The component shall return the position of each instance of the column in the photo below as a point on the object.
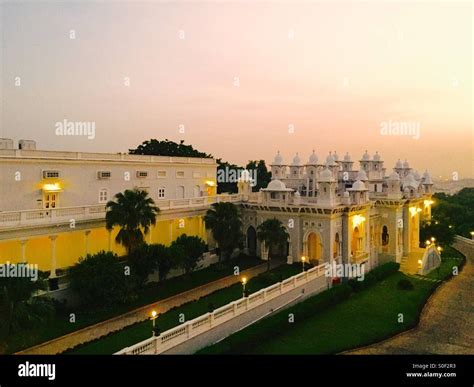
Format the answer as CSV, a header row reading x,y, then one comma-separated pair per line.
x,y
109,241
406,230
23,249
53,256
86,241
289,259
345,253
171,231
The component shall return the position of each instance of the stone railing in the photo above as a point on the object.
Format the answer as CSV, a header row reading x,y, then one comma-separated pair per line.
x,y
16,219
459,238
209,321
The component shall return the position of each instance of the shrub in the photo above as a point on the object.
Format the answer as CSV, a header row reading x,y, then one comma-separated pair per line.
x,y
142,264
375,275
99,280
193,248
405,284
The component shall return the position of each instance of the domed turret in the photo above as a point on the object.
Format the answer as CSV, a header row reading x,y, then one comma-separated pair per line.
x,y
326,176
296,160
335,156
278,159
394,176
377,156
366,156
313,159
427,178
362,176
329,160
347,157
276,185
399,165
359,186
405,164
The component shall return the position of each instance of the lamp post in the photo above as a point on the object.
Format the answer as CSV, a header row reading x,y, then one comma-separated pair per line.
x,y
303,259
472,235
244,281
153,318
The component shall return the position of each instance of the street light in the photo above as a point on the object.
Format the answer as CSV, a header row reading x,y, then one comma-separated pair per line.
x,y
153,318
427,243
303,259
433,239
472,235
244,281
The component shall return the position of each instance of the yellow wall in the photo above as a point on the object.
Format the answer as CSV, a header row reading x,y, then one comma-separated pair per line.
x,y
70,246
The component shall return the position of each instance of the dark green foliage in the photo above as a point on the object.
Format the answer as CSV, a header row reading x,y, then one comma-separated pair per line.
x,y
456,210
167,148
163,259
100,281
132,210
274,234
440,230
224,221
263,175
405,284
19,310
142,263
193,249
374,276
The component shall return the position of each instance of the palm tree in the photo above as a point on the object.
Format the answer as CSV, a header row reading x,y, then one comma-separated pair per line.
x,y
132,211
18,308
226,226
273,233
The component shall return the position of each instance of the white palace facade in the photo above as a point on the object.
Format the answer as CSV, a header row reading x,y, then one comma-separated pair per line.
x,y
334,212
52,205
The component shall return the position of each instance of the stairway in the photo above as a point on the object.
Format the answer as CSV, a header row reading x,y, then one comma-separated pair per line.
x,y
409,263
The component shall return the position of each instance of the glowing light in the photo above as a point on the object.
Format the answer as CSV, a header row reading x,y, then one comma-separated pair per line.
x,y
427,243
433,239
303,258
210,183
357,220
428,203
244,280
419,262
439,248
414,210
52,187
153,314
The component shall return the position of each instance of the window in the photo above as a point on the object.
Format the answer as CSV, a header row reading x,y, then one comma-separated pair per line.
x,y
104,175
179,173
273,195
50,174
161,174
142,174
103,195
161,192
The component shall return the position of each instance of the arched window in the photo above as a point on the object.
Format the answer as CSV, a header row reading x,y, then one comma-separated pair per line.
x,y
385,236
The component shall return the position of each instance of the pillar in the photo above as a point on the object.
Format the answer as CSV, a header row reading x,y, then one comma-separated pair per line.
x,y
345,239
86,241
289,258
406,230
109,241
53,256
23,249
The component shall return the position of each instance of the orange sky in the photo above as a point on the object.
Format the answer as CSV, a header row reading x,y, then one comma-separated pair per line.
x,y
335,72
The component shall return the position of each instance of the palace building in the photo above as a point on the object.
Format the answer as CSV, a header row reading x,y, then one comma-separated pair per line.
x,y
52,205
335,213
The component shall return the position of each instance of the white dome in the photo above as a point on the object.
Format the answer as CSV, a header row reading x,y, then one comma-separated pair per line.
x,y
276,185
427,178
410,181
394,176
335,157
361,175
278,159
358,186
416,175
405,164
377,156
326,176
329,159
398,165
347,157
296,160
313,159
365,156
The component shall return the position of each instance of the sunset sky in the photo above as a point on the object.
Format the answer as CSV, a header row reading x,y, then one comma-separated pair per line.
x,y
239,75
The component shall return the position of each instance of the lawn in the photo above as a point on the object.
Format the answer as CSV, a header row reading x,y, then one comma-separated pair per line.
x,y
141,331
151,293
368,316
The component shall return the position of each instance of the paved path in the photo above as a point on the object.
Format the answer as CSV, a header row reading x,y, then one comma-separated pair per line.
x,y
103,328
446,323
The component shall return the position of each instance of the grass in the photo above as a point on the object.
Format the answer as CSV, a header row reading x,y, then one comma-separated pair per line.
x,y
141,331
368,316
151,293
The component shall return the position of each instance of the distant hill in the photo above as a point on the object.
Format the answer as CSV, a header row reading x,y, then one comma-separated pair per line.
x,y
451,187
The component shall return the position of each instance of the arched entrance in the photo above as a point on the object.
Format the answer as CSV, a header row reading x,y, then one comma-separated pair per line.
x,y
355,241
385,239
314,248
197,191
252,240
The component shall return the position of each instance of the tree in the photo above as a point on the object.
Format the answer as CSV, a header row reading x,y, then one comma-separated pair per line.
x,y
263,175
99,280
194,247
142,263
132,211
18,306
167,148
224,221
162,257
440,230
274,234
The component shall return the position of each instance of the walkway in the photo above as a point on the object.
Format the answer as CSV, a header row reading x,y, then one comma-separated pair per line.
x,y
103,328
447,321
